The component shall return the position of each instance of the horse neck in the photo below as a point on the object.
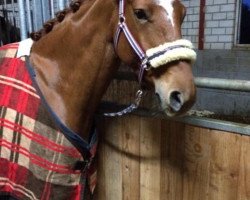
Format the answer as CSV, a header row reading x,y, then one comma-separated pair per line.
x,y
75,62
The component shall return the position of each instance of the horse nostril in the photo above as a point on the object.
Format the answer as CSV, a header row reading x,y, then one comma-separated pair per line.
x,y
176,101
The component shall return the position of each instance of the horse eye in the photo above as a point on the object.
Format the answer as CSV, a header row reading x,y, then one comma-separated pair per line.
x,y
141,14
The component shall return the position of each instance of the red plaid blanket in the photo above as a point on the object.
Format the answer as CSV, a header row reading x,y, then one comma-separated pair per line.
x,y
36,160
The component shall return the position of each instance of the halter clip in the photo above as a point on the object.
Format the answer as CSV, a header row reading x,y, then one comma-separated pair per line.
x,y
138,97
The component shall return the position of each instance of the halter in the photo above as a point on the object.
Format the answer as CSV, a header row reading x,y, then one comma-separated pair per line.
x,y
154,57
122,27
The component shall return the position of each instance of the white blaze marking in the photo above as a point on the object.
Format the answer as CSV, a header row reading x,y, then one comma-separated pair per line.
x,y
168,6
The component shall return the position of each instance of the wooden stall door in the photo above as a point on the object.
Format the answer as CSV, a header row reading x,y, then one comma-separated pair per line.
x,y
152,159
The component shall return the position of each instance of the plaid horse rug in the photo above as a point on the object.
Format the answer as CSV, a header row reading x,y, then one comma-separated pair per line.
x,y
36,159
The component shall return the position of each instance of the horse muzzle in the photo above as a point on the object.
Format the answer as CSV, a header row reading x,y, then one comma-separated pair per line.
x,y
175,88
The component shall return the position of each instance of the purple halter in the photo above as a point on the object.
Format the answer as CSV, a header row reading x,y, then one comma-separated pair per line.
x,y
122,26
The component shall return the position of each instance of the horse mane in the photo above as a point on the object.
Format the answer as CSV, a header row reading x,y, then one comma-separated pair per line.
x,y
48,26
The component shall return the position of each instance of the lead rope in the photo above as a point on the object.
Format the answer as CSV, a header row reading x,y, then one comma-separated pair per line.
x,y
130,108
138,96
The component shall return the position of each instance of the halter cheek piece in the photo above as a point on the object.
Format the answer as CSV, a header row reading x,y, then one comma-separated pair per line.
x,y
122,27
155,57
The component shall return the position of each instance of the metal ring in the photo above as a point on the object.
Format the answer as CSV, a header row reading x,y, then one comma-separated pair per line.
x,y
122,19
147,67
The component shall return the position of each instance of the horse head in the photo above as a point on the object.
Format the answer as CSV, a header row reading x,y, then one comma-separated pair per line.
x,y
76,54
148,35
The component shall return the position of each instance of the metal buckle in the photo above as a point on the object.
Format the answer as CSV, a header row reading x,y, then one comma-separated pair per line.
x,y
145,64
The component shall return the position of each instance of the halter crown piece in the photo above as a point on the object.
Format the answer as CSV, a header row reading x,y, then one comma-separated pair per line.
x,y
153,58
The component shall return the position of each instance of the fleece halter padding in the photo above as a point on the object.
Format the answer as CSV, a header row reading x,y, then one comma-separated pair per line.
x,y
171,51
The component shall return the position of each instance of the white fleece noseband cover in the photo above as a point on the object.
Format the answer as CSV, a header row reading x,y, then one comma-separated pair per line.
x,y
171,51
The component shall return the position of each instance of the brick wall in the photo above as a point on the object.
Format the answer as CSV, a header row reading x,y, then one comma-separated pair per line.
x,y
220,17
190,27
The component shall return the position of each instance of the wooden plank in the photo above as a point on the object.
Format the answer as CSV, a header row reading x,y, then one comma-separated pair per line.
x,y
224,165
111,160
141,158
172,149
150,151
100,193
244,170
196,162
131,158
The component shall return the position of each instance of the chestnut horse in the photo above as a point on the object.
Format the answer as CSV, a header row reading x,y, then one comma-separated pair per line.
x,y
75,56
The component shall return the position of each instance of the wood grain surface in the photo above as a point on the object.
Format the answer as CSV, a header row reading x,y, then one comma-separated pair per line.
x,y
153,159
